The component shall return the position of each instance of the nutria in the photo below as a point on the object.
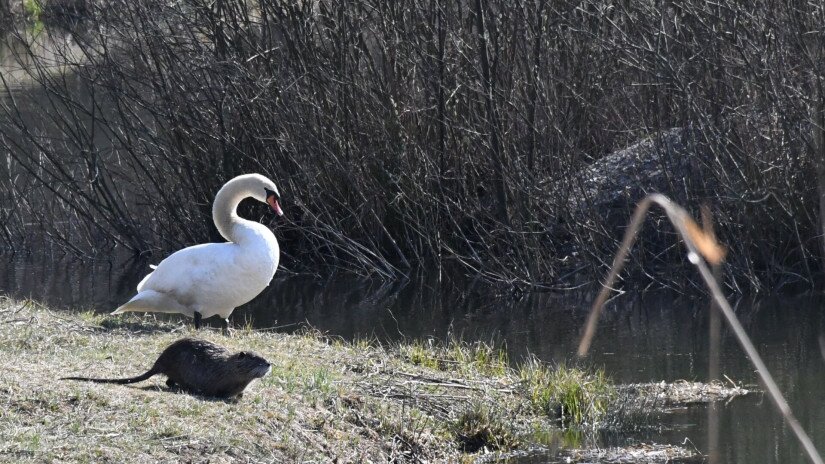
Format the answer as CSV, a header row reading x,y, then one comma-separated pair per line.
x,y
201,367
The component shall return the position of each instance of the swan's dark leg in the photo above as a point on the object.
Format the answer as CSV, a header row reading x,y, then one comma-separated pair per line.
x,y
227,330
198,318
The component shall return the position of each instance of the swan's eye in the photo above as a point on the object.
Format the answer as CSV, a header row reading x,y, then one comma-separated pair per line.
x,y
270,193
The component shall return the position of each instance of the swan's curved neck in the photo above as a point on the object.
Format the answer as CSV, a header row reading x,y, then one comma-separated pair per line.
x,y
224,210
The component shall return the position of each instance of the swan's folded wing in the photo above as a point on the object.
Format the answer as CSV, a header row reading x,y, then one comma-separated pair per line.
x,y
192,271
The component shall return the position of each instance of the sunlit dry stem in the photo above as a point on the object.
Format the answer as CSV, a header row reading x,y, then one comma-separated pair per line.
x,y
618,263
714,335
710,251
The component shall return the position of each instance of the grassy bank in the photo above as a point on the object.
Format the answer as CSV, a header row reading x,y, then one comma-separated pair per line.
x,y
325,400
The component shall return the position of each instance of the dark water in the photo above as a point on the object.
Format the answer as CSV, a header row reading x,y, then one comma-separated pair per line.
x,y
657,336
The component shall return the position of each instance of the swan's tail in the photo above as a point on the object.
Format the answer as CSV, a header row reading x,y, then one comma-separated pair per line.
x,y
150,301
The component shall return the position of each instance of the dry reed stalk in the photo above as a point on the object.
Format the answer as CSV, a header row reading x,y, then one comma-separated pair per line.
x,y
714,336
698,244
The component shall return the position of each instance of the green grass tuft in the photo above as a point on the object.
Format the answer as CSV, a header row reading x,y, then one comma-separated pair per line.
x,y
480,356
571,395
456,355
423,354
483,427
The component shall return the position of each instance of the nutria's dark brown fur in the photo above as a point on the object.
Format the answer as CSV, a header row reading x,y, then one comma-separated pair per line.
x,y
201,367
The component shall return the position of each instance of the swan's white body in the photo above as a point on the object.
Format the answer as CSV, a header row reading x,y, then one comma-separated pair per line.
x,y
214,278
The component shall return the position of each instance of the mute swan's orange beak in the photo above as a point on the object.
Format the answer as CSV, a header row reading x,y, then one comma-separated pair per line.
x,y
273,203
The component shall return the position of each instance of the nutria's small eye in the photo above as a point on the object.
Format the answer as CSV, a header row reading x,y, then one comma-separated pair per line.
x,y
241,354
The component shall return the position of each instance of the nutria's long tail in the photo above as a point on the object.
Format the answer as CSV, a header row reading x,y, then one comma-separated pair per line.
x,y
139,378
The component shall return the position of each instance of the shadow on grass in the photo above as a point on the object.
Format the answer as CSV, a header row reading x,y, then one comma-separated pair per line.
x,y
181,391
134,323
166,323
138,326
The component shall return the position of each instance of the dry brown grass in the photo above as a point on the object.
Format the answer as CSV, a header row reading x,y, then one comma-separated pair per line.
x,y
325,400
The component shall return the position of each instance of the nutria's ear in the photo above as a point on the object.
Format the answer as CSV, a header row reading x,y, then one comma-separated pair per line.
x,y
242,355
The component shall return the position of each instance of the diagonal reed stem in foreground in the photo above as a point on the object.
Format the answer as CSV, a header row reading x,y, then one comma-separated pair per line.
x,y
714,336
698,244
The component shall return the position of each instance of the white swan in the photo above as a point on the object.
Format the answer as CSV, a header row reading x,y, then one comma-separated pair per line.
x,y
214,278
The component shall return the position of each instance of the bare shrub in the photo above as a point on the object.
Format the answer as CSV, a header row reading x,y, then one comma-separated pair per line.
x,y
411,132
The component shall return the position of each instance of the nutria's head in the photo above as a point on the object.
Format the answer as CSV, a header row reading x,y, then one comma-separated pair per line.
x,y
252,363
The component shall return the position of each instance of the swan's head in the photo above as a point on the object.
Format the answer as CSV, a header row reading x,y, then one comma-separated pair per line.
x,y
262,189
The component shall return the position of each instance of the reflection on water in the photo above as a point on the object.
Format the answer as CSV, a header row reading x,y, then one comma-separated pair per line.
x,y
641,338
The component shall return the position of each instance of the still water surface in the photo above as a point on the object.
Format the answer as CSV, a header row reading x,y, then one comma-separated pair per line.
x,y
642,338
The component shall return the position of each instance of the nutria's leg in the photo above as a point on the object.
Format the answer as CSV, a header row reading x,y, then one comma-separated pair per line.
x,y
198,318
171,383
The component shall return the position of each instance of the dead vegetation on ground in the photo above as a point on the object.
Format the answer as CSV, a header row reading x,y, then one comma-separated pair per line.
x,y
325,400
